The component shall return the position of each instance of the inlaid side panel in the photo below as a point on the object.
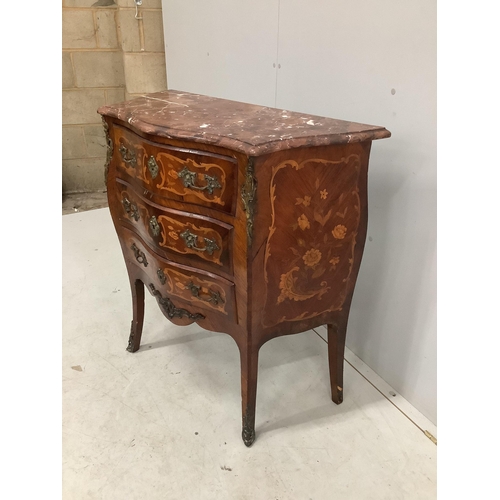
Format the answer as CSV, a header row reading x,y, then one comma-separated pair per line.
x,y
309,253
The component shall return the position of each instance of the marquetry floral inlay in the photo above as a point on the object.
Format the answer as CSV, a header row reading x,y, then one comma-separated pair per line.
x,y
334,262
339,232
306,201
289,290
303,222
312,257
310,247
173,233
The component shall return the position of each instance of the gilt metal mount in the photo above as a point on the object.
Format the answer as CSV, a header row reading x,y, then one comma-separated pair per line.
x,y
189,181
248,195
169,308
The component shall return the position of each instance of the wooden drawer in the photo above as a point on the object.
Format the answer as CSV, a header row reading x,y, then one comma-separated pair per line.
x,y
187,238
199,290
186,175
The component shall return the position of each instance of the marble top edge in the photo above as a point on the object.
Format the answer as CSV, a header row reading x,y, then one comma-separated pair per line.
x,y
247,128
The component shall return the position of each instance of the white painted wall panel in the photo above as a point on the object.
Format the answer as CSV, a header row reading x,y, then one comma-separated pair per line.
x,y
222,48
375,62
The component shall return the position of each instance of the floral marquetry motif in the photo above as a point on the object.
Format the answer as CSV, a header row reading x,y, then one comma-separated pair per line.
x,y
303,222
309,252
339,232
306,201
311,257
334,262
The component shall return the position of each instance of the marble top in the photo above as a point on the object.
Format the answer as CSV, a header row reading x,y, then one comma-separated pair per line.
x,y
248,128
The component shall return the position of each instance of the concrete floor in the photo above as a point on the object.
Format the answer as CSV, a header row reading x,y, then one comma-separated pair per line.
x,y
82,202
164,423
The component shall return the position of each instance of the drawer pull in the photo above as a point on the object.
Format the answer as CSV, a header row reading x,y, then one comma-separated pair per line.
x,y
161,276
195,291
153,167
189,181
169,309
155,227
139,256
128,155
191,239
131,209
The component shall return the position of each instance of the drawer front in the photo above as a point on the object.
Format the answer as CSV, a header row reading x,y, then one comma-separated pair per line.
x,y
185,175
186,238
202,291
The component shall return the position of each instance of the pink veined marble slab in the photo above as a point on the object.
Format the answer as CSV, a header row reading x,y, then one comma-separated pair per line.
x,y
248,128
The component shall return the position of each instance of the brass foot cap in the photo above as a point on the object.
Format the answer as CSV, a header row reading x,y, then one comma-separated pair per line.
x,y
248,437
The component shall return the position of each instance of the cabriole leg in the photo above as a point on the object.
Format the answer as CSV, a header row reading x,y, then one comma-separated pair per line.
x,y
336,345
134,340
249,367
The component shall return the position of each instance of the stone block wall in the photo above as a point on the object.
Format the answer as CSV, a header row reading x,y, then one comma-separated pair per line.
x,y
108,56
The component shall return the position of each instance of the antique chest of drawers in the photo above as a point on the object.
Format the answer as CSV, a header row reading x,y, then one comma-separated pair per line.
x,y
245,219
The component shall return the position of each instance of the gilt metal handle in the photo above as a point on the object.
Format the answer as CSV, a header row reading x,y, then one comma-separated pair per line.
x,y
131,209
161,276
169,308
189,181
128,155
191,240
139,255
215,297
153,167
155,227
